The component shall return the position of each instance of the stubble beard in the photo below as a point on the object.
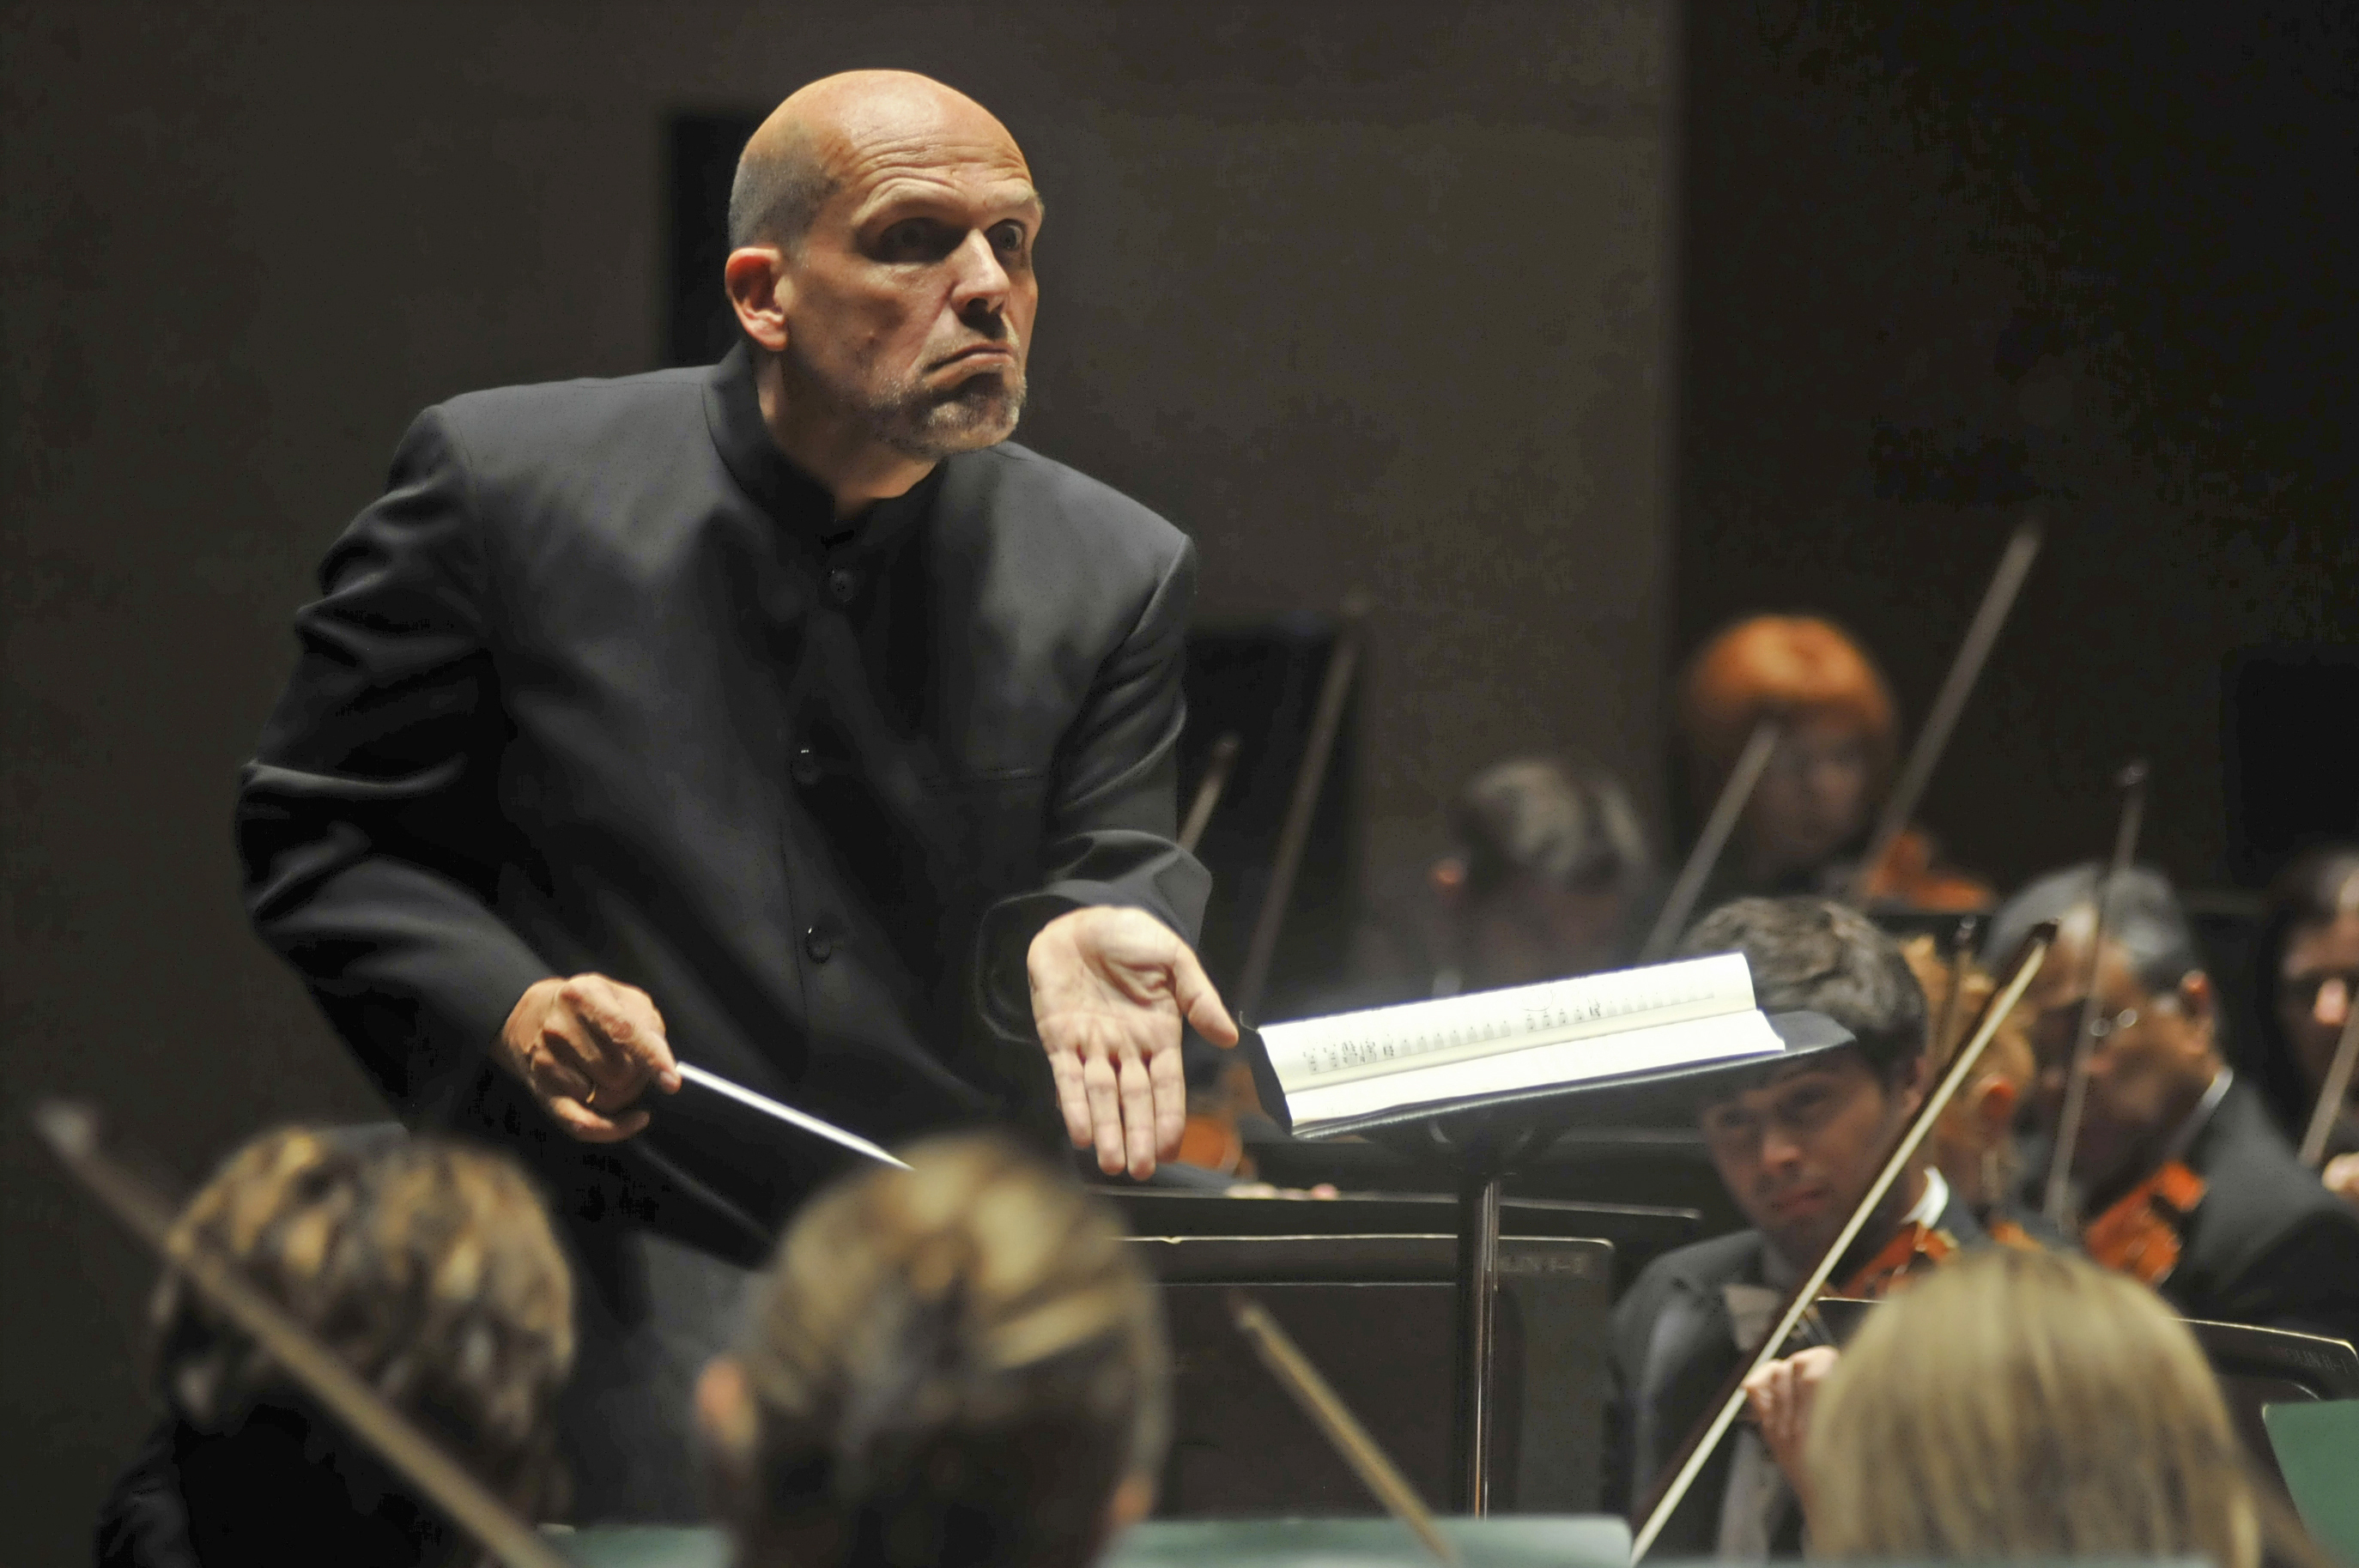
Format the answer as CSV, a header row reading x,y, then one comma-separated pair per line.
x,y
921,422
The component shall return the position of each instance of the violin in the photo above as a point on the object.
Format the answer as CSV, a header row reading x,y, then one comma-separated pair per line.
x,y
1913,1249
2011,1233
1911,874
2139,1235
1210,1139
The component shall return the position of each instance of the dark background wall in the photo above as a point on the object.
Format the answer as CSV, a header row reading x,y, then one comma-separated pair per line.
x,y
1944,262
1361,295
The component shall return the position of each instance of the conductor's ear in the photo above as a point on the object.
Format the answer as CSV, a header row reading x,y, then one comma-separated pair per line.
x,y
760,292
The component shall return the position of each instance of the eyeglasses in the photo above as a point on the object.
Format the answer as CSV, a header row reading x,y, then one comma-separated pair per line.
x,y
2100,1028
2056,1029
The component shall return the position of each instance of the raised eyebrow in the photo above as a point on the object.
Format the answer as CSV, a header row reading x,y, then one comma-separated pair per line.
x,y
895,207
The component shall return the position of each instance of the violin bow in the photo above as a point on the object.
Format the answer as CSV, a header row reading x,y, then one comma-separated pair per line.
x,y
71,1132
1319,1401
1208,788
1734,793
2057,1202
1965,669
2330,1093
1294,834
1665,1499
1961,950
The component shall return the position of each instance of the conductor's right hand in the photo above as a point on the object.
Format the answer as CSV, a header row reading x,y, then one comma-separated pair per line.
x,y
587,1048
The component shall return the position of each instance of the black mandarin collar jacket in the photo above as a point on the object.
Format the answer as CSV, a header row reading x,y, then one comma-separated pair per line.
x,y
599,683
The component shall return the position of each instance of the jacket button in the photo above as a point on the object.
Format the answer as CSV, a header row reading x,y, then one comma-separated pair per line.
x,y
806,767
843,582
818,944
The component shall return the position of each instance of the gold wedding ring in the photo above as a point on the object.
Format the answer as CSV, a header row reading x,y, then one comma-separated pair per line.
x,y
589,1098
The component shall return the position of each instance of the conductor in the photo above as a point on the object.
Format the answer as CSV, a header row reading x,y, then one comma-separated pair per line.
x,y
782,716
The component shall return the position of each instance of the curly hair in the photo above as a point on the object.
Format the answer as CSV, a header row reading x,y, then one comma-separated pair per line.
x,y
956,1365
429,1266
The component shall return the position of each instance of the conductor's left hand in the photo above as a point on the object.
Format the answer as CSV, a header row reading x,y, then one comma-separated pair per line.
x,y
1110,990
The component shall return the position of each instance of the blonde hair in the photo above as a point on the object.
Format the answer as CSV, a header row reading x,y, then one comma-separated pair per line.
x,y
955,1365
430,1267
2026,1404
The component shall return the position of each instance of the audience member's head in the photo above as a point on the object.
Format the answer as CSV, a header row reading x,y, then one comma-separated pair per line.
x,y
1972,1140
960,1364
1832,765
2026,1405
2308,973
1548,867
1799,1150
430,1269
2155,1052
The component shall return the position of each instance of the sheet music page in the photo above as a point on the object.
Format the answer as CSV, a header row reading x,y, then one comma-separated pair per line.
x,y
1345,1047
1722,1037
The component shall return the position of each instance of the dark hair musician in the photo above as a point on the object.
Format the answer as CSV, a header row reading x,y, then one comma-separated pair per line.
x,y
1546,877
2183,1179
1797,1153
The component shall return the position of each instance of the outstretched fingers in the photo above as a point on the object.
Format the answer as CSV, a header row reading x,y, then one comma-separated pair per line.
x,y
1103,1089
1169,1076
1138,1111
1072,1094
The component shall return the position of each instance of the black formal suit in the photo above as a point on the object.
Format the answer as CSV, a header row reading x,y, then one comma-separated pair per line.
x,y
1674,1347
2269,1245
601,684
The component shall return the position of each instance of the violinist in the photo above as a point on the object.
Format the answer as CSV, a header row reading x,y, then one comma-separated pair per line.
x,y
1807,823
1550,869
1797,1153
2308,973
1972,1140
2183,1180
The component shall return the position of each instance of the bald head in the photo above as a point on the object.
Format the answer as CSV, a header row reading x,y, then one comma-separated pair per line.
x,y
821,137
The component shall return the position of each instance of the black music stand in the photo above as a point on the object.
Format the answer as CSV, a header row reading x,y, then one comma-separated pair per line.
x,y
1481,1140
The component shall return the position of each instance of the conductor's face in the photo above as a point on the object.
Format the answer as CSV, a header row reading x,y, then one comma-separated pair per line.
x,y
904,309
1799,1153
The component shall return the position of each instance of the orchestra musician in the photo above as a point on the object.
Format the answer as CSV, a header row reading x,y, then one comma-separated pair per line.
x,y
2027,1405
780,715
2308,968
430,1268
1972,1140
1807,823
1798,1154
1548,877
961,1365
2183,1179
